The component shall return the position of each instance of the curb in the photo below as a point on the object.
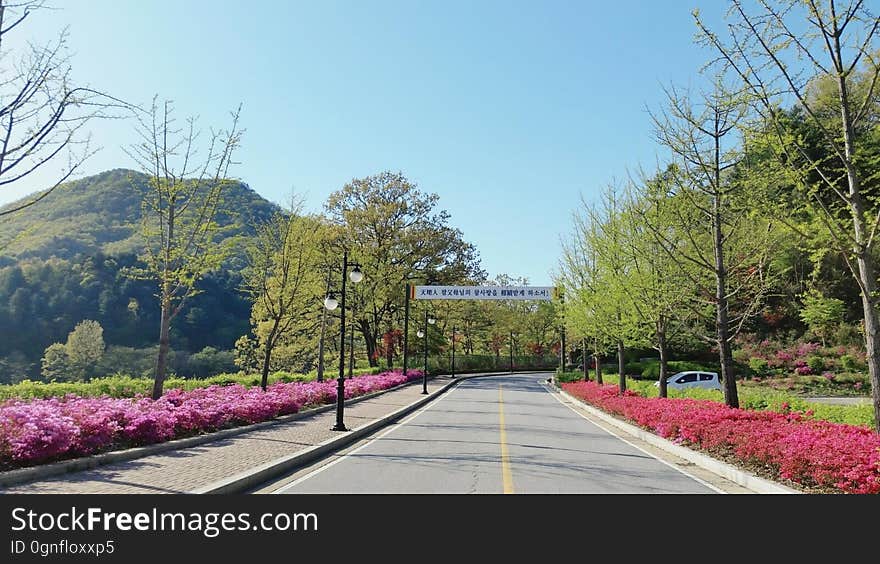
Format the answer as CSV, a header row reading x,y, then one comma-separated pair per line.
x,y
244,481
34,473
723,469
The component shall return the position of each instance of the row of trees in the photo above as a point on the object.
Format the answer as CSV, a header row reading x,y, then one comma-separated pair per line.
x,y
395,233
778,156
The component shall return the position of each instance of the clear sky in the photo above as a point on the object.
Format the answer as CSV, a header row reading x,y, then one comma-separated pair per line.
x,y
509,110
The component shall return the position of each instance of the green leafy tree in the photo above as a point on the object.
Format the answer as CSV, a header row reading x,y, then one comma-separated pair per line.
x,y
180,203
55,364
589,311
821,314
727,253
655,285
394,231
283,279
246,356
766,51
85,346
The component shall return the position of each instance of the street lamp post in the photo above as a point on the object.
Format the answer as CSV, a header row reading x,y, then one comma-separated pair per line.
x,y
421,333
330,303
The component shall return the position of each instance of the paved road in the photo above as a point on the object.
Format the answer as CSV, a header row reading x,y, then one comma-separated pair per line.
x,y
839,400
503,434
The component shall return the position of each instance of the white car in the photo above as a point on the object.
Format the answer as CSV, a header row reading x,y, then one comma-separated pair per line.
x,y
693,379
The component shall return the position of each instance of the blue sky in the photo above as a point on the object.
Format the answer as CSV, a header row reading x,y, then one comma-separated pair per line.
x,y
508,110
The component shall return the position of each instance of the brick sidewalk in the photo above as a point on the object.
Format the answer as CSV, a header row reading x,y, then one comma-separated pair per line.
x,y
184,470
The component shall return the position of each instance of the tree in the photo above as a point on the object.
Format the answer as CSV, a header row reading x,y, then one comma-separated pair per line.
x,y
42,111
74,360
55,364
246,354
611,276
655,285
776,64
85,345
582,277
179,205
282,278
821,314
707,200
392,229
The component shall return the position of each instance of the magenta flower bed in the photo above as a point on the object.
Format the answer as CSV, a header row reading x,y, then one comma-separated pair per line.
x,y
41,430
808,452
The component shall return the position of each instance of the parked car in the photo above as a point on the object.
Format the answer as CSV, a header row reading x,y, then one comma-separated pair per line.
x,y
692,379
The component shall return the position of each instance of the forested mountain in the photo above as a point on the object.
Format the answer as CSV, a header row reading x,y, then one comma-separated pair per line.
x,y
102,213
63,259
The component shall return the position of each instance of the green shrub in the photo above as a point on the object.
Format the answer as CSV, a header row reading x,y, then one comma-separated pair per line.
x,y
848,363
563,377
816,363
759,365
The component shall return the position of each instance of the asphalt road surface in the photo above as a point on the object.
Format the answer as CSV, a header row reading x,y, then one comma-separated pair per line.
x,y
501,434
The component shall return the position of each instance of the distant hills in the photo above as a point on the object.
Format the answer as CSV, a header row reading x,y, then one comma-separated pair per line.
x,y
61,262
102,213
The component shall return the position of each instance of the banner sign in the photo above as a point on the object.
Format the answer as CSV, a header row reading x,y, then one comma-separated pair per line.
x,y
482,292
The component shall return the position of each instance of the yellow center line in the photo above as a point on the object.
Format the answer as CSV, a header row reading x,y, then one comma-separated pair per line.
x,y
506,476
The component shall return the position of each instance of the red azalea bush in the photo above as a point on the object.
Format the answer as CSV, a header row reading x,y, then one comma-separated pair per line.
x,y
41,430
809,452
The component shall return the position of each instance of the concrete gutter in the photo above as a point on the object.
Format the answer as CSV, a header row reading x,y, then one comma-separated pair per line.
x,y
253,477
34,473
728,471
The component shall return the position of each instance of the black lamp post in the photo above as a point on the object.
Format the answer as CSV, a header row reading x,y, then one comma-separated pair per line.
x,y
330,303
421,333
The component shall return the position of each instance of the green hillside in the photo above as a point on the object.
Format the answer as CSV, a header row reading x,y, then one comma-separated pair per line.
x,y
101,214
62,261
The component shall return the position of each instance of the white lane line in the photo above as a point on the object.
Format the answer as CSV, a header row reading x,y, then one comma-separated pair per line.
x,y
365,445
610,432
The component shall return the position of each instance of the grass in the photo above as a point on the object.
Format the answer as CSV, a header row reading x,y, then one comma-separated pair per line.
x,y
123,386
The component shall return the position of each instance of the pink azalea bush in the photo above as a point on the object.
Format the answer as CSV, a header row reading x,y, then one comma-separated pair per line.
x,y
40,430
795,357
810,452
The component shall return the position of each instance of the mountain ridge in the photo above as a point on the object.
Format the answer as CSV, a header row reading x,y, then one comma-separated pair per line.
x,y
101,214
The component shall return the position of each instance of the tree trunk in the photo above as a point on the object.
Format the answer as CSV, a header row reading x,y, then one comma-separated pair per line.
x,y
598,359
661,347
164,346
621,367
267,356
165,320
370,341
872,338
722,320
867,269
